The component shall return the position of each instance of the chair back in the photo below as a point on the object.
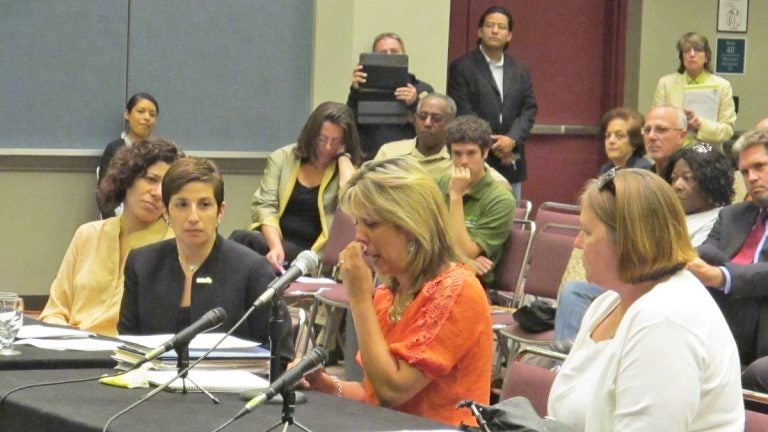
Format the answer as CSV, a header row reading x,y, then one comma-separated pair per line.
x,y
530,381
510,269
523,209
756,421
341,234
550,252
559,213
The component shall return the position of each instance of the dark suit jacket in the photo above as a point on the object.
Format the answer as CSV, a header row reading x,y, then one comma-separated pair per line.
x,y
471,85
232,277
746,306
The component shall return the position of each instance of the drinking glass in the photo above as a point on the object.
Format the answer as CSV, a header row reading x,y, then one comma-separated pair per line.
x,y
11,317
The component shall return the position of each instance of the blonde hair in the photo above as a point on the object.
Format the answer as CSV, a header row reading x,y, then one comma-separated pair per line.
x,y
645,219
400,192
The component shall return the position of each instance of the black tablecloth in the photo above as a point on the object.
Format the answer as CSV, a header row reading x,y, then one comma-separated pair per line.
x,y
87,406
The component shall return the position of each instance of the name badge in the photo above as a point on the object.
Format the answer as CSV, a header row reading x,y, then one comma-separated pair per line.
x,y
204,280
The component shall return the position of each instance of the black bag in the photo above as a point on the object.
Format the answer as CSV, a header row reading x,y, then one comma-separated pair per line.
x,y
537,317
512,415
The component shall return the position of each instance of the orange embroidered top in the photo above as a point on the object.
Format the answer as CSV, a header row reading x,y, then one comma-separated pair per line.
x,y
446,334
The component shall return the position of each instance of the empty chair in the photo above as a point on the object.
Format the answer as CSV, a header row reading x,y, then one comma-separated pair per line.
x,y
550,252
523,209
530,381
510,269
558,213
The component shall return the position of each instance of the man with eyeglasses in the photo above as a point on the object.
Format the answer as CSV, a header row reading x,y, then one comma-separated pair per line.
x,y
664,133
496,87
372,136
480,209
435,111
734,259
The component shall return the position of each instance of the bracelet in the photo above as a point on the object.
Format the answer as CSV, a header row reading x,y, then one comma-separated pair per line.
x,y
338,385
340,155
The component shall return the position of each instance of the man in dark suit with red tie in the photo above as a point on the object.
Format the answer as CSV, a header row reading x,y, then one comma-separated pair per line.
x,y
734,258
492,85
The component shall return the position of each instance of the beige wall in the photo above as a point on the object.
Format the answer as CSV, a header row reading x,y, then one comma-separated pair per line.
x,y
345,28
41,212
663,22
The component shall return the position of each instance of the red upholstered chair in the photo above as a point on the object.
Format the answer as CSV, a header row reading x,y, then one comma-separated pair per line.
x,y
523,209
756,422
510,270
557,213
549,257
530,381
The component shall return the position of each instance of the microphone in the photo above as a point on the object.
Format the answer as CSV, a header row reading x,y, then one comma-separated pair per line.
x,y
288,380
306,262
212,318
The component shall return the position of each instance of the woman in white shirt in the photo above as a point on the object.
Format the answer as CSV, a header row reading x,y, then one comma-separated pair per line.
x,y
654,353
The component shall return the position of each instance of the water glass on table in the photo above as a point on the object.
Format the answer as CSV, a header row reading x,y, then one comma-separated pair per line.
x,y
11,318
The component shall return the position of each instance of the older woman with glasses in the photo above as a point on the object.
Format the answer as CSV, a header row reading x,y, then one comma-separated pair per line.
x,y
694,79
654,352
293,208
623,139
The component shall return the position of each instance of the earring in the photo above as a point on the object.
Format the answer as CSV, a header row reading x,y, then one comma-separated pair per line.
x,y
411,246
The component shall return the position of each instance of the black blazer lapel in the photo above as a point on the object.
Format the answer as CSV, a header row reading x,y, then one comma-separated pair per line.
x,y
481,64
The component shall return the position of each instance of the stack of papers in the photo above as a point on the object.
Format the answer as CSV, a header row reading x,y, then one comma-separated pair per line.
x,y
62,338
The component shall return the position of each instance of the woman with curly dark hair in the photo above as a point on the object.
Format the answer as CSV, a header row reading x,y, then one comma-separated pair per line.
x,y
89,285
703,181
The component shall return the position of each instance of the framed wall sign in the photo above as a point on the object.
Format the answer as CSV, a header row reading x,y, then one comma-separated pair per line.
x,y
732,16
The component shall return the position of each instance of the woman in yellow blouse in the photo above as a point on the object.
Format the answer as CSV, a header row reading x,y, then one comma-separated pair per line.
x,y
89,285
292,210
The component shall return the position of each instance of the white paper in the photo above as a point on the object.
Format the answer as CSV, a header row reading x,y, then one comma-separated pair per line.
x,y
704,100
37,331
212,380
201,341
78,344
314,280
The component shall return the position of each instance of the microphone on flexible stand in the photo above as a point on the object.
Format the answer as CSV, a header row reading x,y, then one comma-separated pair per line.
x,y
306,262
213,318
286,382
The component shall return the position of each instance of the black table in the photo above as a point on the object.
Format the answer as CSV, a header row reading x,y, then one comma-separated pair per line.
x,y
38,358
87,406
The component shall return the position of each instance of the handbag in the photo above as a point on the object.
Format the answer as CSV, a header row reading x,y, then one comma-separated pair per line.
x,y
537,317
512,415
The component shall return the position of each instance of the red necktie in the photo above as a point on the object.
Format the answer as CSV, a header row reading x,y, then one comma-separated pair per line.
x,y
747,253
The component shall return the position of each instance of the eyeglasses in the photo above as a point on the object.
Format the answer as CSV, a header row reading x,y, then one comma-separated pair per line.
x,y
491,26
436,118
605,181
323,140
660,130
702,148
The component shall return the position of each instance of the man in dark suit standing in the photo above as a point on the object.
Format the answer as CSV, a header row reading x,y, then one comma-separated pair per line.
x,y
494,86
734,258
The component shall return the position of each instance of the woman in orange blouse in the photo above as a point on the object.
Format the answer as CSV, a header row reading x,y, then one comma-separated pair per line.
x,y
425,336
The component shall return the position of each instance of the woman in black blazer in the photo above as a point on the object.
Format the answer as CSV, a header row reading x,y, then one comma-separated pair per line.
x,y
174,282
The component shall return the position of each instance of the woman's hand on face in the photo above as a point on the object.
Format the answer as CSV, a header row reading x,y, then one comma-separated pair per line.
x,y
276,256
355,273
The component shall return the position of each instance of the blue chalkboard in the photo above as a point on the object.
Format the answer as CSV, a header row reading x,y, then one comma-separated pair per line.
x,y
230,75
